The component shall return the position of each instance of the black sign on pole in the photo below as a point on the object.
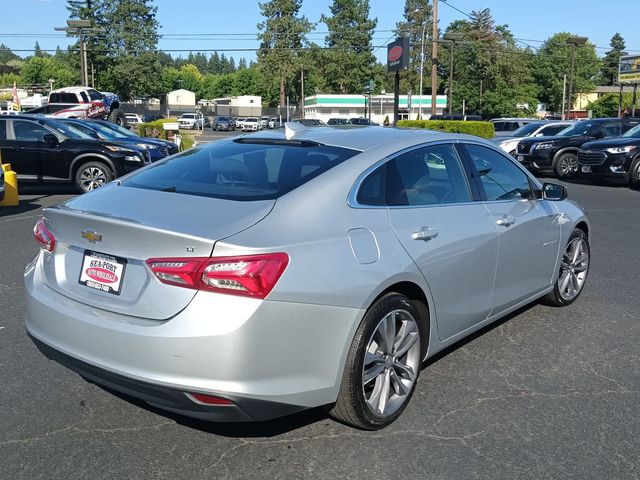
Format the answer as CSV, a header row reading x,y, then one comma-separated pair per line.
x,y
397,59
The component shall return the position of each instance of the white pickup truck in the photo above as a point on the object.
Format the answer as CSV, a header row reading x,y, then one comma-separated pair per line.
x,y
191,121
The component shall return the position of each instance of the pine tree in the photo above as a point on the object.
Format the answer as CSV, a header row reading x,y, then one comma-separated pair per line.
x,y
37,51
242,64
349,59
281,36
611,60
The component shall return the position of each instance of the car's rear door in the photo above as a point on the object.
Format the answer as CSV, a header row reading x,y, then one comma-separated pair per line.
x,y
451,238
528,228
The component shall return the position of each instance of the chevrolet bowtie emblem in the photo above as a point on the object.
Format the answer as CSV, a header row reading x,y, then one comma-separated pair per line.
x,y
92,236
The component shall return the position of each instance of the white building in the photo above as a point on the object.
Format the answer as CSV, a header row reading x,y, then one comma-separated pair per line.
x,y
324,107
241,106
181,98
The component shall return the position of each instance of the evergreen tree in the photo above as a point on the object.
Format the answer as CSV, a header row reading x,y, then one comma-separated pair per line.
x,y
611,60
214,63
281,36
37,51
418,18
349,59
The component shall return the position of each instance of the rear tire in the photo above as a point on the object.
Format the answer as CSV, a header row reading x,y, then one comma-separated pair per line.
x,y
118,117
574,268
92,175
566,165
383,364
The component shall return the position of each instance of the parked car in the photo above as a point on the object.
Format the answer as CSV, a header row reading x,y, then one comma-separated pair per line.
x,y
505,126
240,121
223,123
612,159
202,314
338,121
363,121
251,124
272,122
83,102
156,149
191,121
170,147
264,122
559,154
309,122
509,143
43,149
134,118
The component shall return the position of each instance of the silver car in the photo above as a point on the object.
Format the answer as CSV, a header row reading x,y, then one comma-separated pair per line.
x,y
509,143
260,275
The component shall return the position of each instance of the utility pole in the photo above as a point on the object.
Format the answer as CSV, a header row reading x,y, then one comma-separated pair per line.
x,y
82,28
434,59
633,102
574,42
302,91
424,26
564,96
452,38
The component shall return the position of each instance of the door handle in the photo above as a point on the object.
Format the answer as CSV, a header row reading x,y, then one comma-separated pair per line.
x,y
506,220
426,234
19,148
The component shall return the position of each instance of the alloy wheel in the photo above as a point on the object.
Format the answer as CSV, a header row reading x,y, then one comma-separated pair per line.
x,y
391,364
573,269
92,178
569,165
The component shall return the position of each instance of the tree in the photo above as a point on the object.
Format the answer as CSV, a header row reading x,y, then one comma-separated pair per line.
x,y
553,61
349,60
37,51
38,71
144,83
418,18
611,60
607,105
281,36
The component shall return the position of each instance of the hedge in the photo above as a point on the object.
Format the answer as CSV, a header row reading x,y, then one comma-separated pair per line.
x,y
480,129
156,130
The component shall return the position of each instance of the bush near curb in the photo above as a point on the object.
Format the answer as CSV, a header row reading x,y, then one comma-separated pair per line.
x,y
156,130
480,129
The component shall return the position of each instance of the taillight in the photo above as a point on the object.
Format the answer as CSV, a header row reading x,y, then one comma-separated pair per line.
x,y
44,237
250,275
204,399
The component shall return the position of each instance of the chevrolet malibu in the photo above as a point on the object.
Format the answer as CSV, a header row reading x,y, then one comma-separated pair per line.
x,y
265,274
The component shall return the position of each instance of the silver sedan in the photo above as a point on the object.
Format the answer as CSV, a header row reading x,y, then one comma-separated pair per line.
x,y
264,274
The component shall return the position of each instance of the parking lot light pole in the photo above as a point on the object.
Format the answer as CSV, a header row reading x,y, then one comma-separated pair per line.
x,y
574,42
452,38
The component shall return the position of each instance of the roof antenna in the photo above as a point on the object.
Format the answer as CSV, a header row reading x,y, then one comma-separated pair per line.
x,y
291,129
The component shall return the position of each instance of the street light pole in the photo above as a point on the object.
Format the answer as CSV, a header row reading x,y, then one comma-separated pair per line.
x,y
574,42
434,60
452,38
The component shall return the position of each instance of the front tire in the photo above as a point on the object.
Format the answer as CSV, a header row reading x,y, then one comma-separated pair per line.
x,y
92,175
118,117
634,174
383,364
566,165
574,268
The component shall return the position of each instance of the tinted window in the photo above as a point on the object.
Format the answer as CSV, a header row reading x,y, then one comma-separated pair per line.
x,y
373,188
612,129
500,178
512,126
94,95
526,130
427,176
580,128
62,97
241,170
552,130
498,126
29,131
84,96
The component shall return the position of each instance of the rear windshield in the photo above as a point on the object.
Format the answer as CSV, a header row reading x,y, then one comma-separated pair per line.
x,y
245,169
62,97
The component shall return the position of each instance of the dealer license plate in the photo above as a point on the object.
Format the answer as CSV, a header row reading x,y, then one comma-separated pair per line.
x,y
102,272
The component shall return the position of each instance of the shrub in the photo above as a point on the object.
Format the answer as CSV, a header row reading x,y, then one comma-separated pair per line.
x,y
155,129
480,129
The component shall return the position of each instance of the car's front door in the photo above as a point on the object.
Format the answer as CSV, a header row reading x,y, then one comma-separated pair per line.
x,y
451,238
25,142
528,228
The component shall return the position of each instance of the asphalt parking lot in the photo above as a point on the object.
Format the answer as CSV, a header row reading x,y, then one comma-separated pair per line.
x,y
546,393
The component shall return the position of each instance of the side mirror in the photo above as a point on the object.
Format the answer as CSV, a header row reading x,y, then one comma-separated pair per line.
x,y
51,140
553,192
599,134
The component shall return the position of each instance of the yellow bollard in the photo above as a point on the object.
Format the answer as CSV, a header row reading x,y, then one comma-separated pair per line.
x,y
10,187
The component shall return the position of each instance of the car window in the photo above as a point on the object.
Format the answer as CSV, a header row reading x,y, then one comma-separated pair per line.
x,y
26,131
498,126
373,188
431,175
94,95
512,126
240,170
500,177
552,130
63,97
3,129
85,97
611,129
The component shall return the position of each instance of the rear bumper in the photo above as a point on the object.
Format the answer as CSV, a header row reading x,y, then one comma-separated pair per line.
x,y
173,400
281,356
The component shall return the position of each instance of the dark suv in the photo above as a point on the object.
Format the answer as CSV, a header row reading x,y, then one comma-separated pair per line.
x,y
614,158
44,149
559,154
223,123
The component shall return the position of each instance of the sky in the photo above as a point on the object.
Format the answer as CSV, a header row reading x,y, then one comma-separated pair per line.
x,y
532,21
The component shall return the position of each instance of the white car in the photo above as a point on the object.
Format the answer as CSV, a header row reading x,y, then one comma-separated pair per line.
x,y
191,121
251,124
134,118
